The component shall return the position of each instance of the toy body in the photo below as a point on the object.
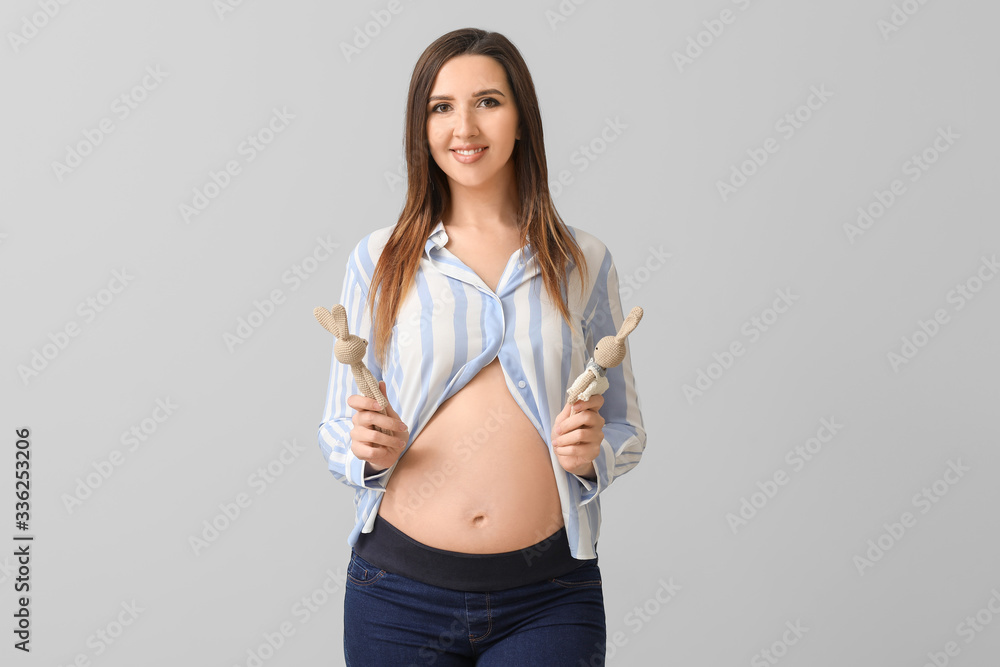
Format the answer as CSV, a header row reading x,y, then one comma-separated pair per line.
x,y
350,349
598,386
608,353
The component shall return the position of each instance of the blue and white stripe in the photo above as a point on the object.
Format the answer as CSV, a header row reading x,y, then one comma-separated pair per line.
x,y
450,326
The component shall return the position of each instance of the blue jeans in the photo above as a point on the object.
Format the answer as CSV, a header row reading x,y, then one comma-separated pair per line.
x,y
393,621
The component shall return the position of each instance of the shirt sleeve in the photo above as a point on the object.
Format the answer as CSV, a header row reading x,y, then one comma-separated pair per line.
x,y
624,433
335,429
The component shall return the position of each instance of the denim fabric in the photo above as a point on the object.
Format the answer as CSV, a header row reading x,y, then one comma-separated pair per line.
x,y
393,621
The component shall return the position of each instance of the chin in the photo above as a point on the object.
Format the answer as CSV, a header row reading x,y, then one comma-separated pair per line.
x,y
469,183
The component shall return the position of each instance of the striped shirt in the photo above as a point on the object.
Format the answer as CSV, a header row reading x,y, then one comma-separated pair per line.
x,y
450,326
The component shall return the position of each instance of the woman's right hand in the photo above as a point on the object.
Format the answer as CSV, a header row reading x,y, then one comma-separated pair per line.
x,y
379,450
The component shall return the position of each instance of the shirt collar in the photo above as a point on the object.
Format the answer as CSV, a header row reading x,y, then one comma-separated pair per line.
x,y
438,238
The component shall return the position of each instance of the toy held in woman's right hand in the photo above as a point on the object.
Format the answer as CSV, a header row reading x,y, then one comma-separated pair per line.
x,y
608,353
350,349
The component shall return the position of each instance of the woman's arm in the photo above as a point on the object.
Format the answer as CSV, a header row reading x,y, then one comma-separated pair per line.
x,y
335,429
624,436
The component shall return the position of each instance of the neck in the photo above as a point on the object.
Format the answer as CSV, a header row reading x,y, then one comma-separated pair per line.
x,y
489,207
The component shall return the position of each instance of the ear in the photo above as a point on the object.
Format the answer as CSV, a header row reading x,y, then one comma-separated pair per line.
x,y
325,317
630,323
339,314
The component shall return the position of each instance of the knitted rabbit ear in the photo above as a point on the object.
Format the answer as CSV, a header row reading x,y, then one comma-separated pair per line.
x,y
340,321
330,320
630,323
325,317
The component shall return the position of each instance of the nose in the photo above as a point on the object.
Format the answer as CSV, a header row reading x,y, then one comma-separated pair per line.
x,y
465,125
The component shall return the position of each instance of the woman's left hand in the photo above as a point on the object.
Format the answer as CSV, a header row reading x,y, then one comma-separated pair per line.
x,y
577,436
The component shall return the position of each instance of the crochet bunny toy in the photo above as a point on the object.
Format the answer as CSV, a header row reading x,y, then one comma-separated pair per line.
x,y
350,349
608,353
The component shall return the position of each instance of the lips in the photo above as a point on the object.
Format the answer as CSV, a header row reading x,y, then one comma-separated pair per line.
x,y
472,157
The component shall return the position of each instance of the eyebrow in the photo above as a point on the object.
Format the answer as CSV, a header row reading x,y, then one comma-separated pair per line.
x,y
488,91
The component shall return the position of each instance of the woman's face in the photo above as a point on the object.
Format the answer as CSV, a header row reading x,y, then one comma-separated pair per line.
x,y
471,105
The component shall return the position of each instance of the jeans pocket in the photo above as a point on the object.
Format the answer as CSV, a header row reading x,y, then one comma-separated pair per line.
x,y
362,573
585,576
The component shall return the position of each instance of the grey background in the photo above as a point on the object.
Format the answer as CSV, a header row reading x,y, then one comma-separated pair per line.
x,y
328,174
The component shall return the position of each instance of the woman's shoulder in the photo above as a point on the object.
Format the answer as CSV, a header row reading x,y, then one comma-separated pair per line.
x,y
368,249
593,248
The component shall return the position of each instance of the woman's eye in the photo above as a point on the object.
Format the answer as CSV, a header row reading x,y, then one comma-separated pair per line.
x,y
485,99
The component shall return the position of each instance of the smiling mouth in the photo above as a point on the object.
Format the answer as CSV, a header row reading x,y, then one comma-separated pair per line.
x,y
469,156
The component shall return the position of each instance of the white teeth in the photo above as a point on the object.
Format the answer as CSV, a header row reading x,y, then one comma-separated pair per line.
x,y
478,150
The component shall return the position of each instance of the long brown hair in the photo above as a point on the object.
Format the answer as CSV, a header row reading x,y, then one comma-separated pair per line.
x,y
428,195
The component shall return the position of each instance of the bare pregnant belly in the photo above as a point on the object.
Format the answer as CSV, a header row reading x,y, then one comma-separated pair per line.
x,y
477,478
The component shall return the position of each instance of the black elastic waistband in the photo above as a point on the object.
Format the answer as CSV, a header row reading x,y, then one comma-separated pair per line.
x,y
394,551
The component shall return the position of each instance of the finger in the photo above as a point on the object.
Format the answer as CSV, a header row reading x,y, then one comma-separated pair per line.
x,y
377,456
381,388
582,419
567,439
583,452
581,437
359,402
389,409
363,403
575,463
585,419
390,420
375,438
389,423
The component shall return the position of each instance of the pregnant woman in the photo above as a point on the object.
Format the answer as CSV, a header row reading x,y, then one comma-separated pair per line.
x,y
477,496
